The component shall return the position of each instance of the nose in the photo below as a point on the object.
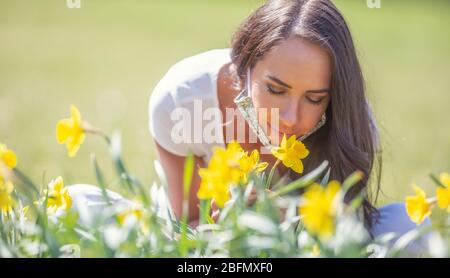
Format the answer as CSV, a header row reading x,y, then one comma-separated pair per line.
x,y
289,118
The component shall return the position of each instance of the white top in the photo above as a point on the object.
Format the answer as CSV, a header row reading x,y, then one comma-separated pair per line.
x,y
188,83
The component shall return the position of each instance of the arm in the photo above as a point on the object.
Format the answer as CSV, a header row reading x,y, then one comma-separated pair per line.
x,y
173,167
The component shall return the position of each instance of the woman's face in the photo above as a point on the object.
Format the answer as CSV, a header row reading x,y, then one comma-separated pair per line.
x,y
294,77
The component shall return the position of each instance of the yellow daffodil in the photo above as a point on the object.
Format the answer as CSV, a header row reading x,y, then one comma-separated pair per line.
x,y
7,156
227,167
135,215
58,196
6,200
319,208
290,152
71,131
133,212
223,170
212,187
250,162
417,206
443,193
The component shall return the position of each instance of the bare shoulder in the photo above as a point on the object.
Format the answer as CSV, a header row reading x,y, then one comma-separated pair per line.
x,y
227,86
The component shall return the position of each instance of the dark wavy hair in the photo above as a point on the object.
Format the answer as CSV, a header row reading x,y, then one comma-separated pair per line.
x,y
349,140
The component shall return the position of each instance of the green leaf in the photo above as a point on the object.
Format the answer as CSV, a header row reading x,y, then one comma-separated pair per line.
x,y
351,180
30,186
187,174
401,244
100,179
303,181
205,210
257,222
357,201
187,179
131,183
437,181
326,178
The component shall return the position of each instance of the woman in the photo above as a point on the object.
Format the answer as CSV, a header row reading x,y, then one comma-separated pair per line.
x,y
295,59
299,57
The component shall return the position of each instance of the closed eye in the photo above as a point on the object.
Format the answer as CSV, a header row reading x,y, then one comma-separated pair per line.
x,y
315,101
274,91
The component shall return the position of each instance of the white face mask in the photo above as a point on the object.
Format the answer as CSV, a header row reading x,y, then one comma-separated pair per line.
x,y
245,104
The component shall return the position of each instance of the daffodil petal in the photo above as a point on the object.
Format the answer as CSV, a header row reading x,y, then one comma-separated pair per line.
x,y
317,210
10,159
57,184
419,191
332,189
255,156
444,178
301,150
297,166
261,166
76,116
443,197
63,130
417,206
291,140
279,153
74,143
283,141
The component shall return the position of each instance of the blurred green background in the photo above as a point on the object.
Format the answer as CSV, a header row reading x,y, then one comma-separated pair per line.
x,y
107,56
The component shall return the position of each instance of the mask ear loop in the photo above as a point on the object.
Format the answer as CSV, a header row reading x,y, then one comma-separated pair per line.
x,y
245,105
322,121
248,85
256,127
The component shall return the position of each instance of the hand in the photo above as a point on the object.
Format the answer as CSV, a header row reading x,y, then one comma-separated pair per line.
x,y
215,210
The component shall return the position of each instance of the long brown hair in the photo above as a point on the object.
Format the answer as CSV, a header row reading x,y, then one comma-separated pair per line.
x,y
349,139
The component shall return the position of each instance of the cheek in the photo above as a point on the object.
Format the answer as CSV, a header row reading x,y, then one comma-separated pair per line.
x,y
260,98
264,103
310,115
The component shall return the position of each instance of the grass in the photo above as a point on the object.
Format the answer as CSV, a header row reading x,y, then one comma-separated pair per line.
x,y
107,56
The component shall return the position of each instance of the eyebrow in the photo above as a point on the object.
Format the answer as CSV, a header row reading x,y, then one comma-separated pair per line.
x,y
319,91
273,78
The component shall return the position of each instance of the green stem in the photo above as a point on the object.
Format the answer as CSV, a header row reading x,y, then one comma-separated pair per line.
x,y
92,130
301,182
26,181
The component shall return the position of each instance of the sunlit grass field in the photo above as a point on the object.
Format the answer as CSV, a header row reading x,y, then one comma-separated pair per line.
x,y
108,55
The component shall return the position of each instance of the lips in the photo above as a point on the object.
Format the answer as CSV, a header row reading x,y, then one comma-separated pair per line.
x,y
281,133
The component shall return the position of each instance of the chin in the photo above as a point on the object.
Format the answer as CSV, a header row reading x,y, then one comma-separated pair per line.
x,y
274,134
276,137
